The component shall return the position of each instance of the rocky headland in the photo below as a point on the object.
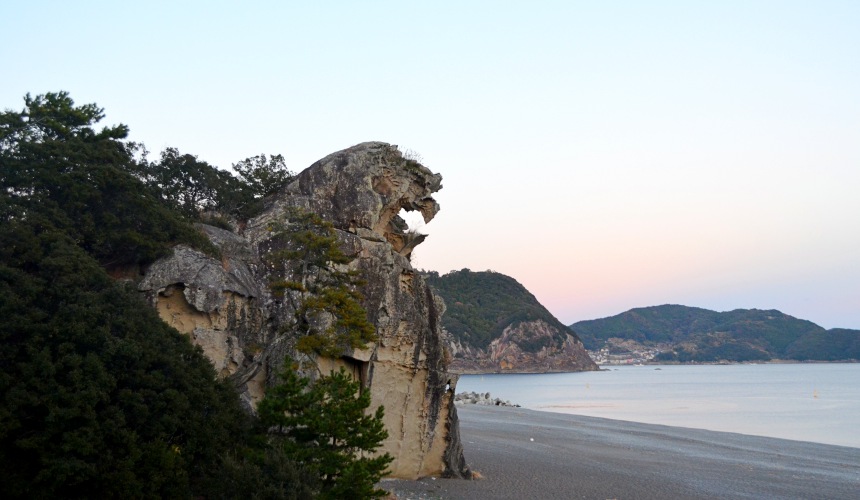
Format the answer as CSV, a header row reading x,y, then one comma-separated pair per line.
x,y
226,307
494,325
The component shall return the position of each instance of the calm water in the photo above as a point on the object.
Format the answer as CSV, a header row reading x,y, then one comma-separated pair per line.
x,y
808,402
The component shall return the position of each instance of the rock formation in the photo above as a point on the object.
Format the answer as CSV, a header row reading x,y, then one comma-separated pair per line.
x,y
509,352
481,399
225,305
494,325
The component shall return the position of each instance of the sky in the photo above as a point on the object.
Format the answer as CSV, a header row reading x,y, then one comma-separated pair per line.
x,y
606,154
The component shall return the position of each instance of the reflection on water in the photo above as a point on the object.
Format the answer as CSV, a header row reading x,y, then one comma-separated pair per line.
x,y
806,402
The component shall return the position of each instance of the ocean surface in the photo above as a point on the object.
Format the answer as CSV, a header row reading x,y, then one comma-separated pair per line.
x,y
805,402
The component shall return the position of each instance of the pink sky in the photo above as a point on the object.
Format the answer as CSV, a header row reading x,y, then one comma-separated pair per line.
x,y
608,155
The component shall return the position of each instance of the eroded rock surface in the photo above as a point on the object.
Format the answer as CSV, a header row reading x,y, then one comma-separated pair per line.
x,y
220,304
509,353
226,307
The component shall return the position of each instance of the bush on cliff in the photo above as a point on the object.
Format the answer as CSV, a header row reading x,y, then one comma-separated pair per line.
x,y
264,175
306,261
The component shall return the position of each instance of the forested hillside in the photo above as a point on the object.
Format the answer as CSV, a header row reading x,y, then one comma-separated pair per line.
x,y
480,305
496,325
99,397
700,335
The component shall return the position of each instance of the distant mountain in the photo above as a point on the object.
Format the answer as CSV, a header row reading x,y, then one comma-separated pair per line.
x,y
493,324
691,334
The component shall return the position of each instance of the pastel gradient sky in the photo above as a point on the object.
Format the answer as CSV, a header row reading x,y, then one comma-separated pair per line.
x,y
606,154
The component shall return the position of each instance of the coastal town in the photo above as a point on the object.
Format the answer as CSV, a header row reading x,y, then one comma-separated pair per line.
x,y
625,352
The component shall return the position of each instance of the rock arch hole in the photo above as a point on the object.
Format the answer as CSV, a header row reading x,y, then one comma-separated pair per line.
x,y
414,221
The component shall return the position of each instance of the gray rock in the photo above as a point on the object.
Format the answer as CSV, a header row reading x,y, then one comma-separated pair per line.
x,y
481,399
505,354
225,304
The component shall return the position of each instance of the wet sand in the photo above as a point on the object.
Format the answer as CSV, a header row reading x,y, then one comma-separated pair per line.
x,y
525,454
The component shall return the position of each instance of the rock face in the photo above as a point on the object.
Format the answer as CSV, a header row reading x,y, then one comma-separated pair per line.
x,y
494,325
507,354
226,307
481,399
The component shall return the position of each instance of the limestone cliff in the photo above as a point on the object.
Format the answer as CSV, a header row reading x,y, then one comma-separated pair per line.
x,y
226,307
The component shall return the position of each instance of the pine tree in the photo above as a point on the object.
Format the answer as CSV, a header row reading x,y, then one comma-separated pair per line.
x,y
308,263
99,398
325,427
262,175
54,164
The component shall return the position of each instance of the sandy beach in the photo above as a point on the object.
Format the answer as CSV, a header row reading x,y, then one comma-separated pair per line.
x,y
524,454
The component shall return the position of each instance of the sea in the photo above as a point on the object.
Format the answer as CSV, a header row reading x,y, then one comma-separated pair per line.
x,y
804,402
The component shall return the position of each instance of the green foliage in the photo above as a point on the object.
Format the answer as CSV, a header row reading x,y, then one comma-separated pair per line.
x,y
191,186
480,305
53,117
99,397
55,166
307,261
739,335
706,348
325,427
837,344
264,176
667,323
262,472
772,330
197,189
216,221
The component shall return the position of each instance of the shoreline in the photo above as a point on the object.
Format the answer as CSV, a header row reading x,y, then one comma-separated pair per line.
x,y
522,453
608,366
809,402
